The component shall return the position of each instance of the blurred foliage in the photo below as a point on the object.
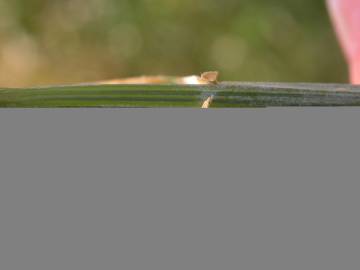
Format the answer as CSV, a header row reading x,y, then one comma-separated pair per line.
x,y
61,41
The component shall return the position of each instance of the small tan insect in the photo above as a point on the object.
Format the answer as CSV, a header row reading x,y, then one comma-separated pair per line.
x,y
210,77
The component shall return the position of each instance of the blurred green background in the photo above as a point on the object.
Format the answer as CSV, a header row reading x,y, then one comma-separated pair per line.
x,y
63,41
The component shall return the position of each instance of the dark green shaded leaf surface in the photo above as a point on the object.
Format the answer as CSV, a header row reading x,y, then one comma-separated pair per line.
x,y
227,94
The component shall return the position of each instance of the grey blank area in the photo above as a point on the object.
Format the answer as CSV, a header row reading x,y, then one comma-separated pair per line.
x,y
180,189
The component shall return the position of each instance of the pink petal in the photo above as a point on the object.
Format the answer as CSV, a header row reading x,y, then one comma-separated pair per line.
x,y
346,17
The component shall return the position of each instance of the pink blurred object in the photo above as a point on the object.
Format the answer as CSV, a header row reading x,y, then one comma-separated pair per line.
x,y
346,17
